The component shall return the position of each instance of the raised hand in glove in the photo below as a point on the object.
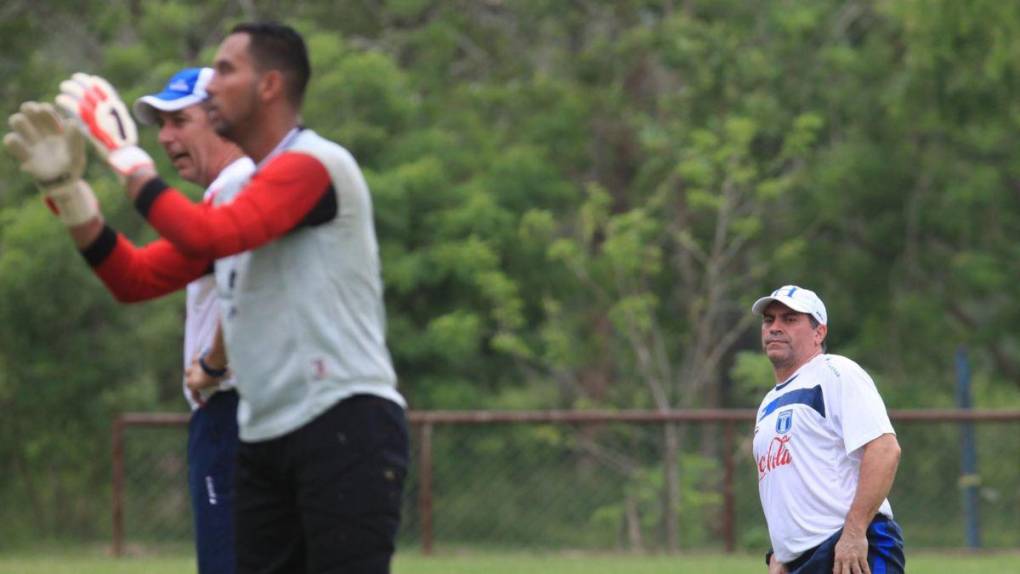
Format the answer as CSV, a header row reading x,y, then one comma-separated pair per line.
x,y
105,120
54,155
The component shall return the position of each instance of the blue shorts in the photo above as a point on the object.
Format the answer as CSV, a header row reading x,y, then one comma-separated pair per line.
x,y
212,453
885,551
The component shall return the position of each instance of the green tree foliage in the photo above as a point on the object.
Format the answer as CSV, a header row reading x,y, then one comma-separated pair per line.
x,y
576,204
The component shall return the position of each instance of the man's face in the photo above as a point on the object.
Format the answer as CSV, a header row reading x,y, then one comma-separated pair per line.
x,y
189,142
787,336
233,89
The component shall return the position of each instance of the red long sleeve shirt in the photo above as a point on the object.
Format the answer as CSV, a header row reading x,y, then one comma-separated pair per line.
x,y
292,191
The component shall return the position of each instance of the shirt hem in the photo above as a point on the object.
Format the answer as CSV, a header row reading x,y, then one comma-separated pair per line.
x,y
259,433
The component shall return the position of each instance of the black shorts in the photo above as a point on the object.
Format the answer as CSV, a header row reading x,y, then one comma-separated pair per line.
x,y
326,497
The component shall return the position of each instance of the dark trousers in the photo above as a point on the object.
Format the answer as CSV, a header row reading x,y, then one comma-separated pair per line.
x,y
212,451
885,551
325,498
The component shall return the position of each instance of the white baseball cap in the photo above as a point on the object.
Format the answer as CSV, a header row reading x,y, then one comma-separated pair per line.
x,y
185,88
796,298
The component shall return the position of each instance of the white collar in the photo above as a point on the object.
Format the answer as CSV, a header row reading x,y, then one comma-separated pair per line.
x,y
284,144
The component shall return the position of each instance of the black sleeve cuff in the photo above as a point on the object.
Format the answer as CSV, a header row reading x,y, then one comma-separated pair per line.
x,y
148,195
101,248
323,211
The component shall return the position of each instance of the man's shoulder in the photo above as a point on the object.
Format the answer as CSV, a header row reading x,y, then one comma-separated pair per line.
x,y
308,141
840,362
235,174
839,368
239,169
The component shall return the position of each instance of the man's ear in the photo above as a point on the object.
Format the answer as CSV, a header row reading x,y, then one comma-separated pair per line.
x,y
820,333
272,86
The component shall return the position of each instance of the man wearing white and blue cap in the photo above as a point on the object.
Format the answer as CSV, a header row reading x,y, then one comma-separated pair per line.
x,y
201,156
132,273
825,450
185,88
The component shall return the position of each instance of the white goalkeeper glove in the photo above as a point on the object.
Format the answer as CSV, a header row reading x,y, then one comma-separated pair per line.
x,y
105,120
54,155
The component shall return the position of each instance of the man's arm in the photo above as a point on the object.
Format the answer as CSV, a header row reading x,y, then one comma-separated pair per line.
x,y
879,460
53,153
210,368
295,189
776,567
132,273
86,233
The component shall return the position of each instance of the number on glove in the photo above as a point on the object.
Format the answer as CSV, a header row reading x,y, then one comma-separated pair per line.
x,y
105,119
96,104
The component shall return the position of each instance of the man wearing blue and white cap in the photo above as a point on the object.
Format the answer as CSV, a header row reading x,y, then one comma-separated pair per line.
x,y
201,156
185,88
825,450
133,274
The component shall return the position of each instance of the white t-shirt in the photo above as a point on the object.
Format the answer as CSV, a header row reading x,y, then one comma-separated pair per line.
x,y
203,313
806,441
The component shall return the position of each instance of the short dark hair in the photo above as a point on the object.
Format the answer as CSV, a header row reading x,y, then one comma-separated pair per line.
x,y
276,46
814,325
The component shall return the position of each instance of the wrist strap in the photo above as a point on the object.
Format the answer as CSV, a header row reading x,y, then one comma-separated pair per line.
x,y
59,181
214,373
73,202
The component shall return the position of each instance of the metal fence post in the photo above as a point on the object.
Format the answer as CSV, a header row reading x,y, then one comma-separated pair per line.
x,y
729,508
118,486
969,477
425,487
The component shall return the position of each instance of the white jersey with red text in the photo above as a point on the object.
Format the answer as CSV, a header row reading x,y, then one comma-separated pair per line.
x,y
202,309
807,438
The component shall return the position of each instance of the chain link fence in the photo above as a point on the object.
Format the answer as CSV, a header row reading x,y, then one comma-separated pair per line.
x,y
602,481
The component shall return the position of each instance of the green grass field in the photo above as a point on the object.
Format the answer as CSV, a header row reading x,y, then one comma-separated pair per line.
x,y
94,562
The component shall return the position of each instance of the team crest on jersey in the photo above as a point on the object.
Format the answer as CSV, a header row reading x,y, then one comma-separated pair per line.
x,y
784,421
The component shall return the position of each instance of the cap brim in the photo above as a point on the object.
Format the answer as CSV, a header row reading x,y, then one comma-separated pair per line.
x,y
760,305
147,108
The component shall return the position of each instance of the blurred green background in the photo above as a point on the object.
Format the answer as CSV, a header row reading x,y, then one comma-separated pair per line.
x,y
576,203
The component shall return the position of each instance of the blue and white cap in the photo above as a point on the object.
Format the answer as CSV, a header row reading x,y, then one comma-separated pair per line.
x,y
796,298
184,89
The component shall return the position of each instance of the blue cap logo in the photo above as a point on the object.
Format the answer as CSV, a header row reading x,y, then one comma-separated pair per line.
x,y
185,88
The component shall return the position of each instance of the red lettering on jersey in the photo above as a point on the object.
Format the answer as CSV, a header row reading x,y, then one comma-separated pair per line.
x,y
777,455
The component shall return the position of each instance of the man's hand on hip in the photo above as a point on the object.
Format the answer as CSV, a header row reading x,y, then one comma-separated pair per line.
x,y
106,121
851,553
198,379
777,567
54,155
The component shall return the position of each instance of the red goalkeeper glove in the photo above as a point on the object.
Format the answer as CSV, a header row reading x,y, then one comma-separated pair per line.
x,y
106,121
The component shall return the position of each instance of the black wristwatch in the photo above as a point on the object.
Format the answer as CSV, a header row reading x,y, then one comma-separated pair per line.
x,y
214,373
768,557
